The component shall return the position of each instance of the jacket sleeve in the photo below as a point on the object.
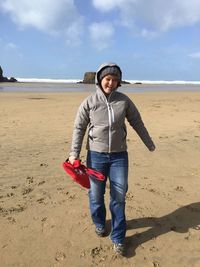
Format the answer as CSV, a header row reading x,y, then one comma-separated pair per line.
x,y
134,118
80,126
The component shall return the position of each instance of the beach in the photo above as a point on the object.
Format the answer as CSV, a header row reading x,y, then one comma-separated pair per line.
x,y
44,215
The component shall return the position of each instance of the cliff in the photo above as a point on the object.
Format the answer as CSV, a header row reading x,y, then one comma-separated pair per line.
x,y
5,79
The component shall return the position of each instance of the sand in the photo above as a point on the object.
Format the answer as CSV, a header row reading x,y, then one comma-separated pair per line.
x,y
44,215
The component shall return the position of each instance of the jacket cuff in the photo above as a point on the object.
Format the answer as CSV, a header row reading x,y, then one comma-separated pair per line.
x,y
74,154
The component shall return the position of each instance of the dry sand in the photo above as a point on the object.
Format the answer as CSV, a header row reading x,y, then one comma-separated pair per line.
x,y
44,216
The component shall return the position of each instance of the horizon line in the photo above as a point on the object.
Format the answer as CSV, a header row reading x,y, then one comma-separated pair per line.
x,y
131,81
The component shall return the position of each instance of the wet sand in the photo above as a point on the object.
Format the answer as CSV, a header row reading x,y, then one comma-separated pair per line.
x,y
44,216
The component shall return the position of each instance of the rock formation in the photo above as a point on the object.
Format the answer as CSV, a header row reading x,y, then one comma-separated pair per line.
x,y
5,79
89,78
1,72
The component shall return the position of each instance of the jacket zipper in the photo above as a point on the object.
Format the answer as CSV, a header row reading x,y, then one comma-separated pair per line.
x,y
110,121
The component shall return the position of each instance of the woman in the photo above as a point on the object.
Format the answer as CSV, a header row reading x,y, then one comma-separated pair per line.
x,y
103,114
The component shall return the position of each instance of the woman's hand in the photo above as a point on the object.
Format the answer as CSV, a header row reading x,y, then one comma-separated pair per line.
x,y
72,159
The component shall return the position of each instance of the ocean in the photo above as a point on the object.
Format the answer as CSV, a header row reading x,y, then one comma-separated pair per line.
x,y
56,85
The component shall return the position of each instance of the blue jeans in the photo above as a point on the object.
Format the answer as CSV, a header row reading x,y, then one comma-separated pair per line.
x,y
115,167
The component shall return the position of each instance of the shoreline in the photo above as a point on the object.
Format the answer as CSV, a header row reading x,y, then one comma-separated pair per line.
x,y
81,87
125,81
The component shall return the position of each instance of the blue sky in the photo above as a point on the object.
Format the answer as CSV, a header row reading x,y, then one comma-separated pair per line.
x,y
150,40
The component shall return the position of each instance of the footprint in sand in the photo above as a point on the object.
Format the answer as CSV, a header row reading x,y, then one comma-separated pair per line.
x,y
163,137
183,140
60,256
95,251
30,179
11,210
11,220
179,188
197,227
41,200
14,186
41,183
27,190
10,194
129,196
43,165
156,264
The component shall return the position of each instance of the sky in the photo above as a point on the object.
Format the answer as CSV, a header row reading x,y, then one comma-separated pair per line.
x,y
63,39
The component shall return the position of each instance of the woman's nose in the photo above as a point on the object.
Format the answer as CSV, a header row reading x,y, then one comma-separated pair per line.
x,y
111,82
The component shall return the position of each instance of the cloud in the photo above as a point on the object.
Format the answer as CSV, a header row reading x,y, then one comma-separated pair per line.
x,y
108,5
53,17
11,46
101,34
152,16
195,55
9,50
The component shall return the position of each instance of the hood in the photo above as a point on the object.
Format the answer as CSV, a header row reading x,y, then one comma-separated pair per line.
x,y
101,67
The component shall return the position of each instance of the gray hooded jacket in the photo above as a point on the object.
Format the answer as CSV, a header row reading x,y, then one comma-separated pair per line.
x,y
104,119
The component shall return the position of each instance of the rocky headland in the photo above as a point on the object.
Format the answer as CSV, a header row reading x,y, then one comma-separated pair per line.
x,y
5,79
89,78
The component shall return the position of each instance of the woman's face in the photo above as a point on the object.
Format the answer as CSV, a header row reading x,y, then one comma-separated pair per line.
x,y
109,83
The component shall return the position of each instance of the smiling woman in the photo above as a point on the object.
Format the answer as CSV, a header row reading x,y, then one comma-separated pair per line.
x,y
110,79
104,113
